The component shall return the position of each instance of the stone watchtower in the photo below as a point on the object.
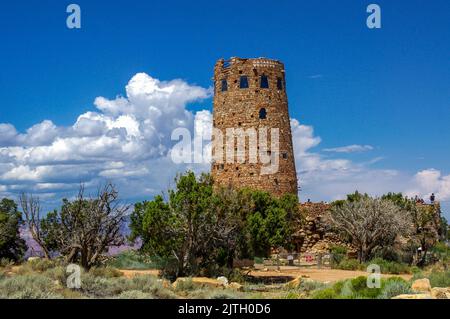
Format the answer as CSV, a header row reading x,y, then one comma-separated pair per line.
x,y
250,95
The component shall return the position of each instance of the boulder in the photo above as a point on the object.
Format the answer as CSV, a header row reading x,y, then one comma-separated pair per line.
x,y
223,280
164,282
414,296
440,293
421,285
293,284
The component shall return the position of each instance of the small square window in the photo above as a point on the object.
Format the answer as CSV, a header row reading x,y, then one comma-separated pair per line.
x,y
285,155
243,84
264,82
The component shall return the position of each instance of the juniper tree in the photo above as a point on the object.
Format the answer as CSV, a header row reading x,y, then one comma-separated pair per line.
x,y
12,246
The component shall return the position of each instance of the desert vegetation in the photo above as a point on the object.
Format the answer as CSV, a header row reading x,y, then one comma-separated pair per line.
x,y
199,231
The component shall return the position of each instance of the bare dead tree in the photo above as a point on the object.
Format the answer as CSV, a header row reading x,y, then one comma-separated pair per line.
x,y
370,223
86,228
31,208
83,229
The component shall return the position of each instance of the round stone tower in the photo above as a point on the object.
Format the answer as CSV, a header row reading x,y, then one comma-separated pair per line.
x,y
250,98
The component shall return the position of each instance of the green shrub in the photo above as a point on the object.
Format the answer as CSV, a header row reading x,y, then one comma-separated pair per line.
x,y
29,293
233,275
338,253
442,251
292,295
100,287
185,284
347,291
337,286
144,283
327,293
6,263
41,264
418,275
132,260
356,288
134,294
310,285
415,270
28,287
439,278
58,273
151,285
106,272
394,288
223,295
390,267
349,264
359,286
258,260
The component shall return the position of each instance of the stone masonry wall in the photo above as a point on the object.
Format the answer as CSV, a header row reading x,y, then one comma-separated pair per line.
x,y
240,108
313,236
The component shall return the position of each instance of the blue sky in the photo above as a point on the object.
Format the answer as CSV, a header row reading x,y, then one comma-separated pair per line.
x,y
387,88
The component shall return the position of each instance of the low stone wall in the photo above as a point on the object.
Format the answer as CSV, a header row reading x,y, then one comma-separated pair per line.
x,y
315,235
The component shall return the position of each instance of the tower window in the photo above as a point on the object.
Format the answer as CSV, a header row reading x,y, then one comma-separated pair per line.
x,y
262,114
264,82
279,83
243,84
224,85
285,155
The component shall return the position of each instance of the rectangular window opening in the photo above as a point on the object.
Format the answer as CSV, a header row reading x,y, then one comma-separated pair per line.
x,y
279,83
243,84
224,85
264,82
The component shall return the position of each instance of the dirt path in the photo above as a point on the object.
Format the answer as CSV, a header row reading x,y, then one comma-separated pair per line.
x,y
323,275
132,273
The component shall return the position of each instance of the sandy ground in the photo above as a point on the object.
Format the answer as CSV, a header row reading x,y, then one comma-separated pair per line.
x,y
289,273
323,275
132,273
284,274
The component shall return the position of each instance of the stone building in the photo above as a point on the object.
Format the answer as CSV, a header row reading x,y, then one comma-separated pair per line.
x,y
250,97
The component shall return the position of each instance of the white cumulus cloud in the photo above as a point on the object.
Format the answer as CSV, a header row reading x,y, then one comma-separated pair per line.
x,y
126,140
431,181
350,149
